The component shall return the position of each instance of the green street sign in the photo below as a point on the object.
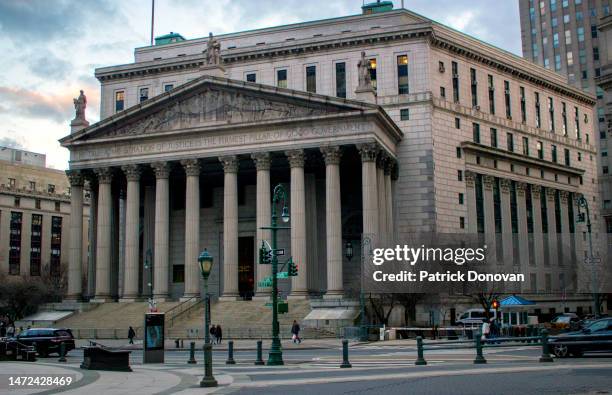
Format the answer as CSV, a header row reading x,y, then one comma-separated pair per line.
x,y
282,275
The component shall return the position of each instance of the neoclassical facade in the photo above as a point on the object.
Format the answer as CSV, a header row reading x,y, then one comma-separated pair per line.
x,y
454,136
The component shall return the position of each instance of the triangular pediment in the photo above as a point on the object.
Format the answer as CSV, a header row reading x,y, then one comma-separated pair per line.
x,y
212,101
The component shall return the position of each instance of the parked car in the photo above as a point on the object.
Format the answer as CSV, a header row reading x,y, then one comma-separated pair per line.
x,y
473,317
47,340
598,335
565,321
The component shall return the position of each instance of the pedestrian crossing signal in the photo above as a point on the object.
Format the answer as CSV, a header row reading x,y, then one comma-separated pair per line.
x,y
293,269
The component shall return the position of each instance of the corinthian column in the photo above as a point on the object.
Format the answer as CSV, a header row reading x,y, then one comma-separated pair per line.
x,y
162,227
76,236
489,215
132,234
262,164
333,222
565,230
389,165
506,213
536,208
103,239
470,198
369,188
382,198
230,227
192,228
299,283
523,231
552,226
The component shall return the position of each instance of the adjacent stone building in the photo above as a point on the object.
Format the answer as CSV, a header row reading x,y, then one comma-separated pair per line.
x,y
35,217
381,123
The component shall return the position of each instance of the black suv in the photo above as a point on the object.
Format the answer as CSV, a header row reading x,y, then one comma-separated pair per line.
x,y
47,340
596,336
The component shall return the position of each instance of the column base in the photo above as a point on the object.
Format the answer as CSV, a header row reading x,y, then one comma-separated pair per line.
x,y
101,299
185,298
229,297
298,295
334,295
72,298
129,299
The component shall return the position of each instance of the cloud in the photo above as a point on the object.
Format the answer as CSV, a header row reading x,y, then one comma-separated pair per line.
x,y
12,142
47,65
35,105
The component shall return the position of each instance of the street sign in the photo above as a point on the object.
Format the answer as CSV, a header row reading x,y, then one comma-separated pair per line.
x,y
280,251
282,275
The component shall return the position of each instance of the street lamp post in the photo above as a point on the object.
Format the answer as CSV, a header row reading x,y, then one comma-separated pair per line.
x,y
348,253
275,357
205,260
584,204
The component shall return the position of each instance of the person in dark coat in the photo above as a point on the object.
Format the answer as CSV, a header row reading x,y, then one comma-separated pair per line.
x,y
131,335
219,334
213,334
295,332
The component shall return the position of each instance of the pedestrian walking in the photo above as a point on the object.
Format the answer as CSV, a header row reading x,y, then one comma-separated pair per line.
x,y
219,334
10,331
131,335
213,334
486,330
295,332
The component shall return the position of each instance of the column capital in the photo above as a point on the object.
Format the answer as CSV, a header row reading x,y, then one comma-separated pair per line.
x,y
521,187
262,160
191,166
390,165
296,157
368,151
381,159
504,185
132,172
75,177
563,196
230,163
550,194
331,154
470,178
536,191
105,175
161,169
488,181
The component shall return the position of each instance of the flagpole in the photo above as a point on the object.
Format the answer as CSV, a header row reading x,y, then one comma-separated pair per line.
x,y
152,19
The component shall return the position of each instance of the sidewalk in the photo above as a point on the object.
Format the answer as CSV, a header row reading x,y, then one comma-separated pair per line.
x,y
239,345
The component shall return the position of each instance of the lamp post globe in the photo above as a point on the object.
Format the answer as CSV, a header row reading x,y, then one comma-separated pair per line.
x,y
205,260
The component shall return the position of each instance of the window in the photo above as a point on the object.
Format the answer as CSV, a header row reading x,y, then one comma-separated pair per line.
x,y
565,3
580,32
57,206
564,118
510,141
32,186
462,222
457,123
605,170
281,78
540,149
119,101
459,175
476,132
37,204
56,246
311,79
402,75
577,123
15,243
551,113
570,58
474,84
557,62
526,146
566,18
566,153
507,99
579,156
556,40
443,92
553,153
144,94
341,79
547,63
251,77
579,16
493,137
582,56
553,5
523,105
537,110
568,37
604,152
17,201
168,87
50,188
460,198
373,65
458,152
35,245
491,94
404,114
455,69
554,22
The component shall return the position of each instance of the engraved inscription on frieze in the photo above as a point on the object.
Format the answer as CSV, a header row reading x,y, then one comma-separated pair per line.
x,y
214,106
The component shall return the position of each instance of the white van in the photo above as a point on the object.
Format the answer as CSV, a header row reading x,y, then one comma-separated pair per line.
x,y
474,316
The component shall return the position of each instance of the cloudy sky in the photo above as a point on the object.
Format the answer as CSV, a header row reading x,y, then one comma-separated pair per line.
x,y
50,48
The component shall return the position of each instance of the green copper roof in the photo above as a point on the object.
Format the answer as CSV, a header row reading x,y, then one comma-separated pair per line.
x,y
379,6
169,38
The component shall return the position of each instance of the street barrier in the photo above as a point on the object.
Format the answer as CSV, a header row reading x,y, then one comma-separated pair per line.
x,y
259,360
345,358
62,353
192,359
230,353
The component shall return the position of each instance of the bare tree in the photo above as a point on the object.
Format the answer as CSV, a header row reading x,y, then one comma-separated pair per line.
x,y
383,305
409,301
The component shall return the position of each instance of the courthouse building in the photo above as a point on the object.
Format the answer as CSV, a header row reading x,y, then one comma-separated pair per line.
x,y
35,217
444,134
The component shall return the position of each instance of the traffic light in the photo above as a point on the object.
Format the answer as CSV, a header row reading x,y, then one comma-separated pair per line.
x,y
265,256
293,269
495,304
581,217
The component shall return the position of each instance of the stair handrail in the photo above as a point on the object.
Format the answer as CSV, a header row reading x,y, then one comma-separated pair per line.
x,y
181,308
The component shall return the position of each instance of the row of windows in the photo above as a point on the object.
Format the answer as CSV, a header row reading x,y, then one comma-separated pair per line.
x,y
35,244
12,182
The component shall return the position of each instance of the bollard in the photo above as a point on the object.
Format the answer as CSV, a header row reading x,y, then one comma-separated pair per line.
x,y
545,349
259,360
182,343
192,359
420,359
479,357
230,353
345,359
62,353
